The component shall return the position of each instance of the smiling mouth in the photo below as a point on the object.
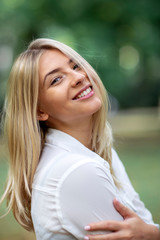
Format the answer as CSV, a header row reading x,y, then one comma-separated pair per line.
x,y
88,92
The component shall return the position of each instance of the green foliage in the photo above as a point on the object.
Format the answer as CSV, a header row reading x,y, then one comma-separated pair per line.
x,y
119,38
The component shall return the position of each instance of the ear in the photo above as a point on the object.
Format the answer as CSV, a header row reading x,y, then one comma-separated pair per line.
x,y
42,116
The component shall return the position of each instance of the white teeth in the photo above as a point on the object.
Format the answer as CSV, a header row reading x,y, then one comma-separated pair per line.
x,y
84,93
88,90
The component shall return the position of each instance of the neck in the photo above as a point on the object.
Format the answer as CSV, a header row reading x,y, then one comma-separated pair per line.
x,y
82,131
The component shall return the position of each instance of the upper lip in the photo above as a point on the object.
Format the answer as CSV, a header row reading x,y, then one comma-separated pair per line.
x,y
83,89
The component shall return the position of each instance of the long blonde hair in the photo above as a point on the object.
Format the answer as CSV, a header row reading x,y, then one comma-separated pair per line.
x,y
25,135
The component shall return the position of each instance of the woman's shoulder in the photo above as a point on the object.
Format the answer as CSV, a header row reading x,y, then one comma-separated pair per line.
x,y
54,165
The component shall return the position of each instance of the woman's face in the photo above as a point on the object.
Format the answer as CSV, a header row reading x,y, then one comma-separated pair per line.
x,y
66,95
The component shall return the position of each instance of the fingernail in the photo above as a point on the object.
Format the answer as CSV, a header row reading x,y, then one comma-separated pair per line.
x,y
87,228
86,238
118,199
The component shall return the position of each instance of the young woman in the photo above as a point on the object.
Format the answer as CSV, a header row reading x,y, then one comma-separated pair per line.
x,y
63,172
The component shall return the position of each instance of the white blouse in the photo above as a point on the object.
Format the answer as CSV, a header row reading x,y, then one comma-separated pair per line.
x,y
73,187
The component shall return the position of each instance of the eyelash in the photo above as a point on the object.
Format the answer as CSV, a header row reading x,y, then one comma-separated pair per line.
x,y
55,79
76,66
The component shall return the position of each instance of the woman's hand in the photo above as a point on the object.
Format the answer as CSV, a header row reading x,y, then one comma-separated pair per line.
x,y
132,228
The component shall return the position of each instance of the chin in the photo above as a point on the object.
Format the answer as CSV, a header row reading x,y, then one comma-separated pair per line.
x,y
98,103
96,106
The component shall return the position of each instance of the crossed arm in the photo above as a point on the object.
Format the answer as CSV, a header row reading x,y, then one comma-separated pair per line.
x,y
132,228
87,194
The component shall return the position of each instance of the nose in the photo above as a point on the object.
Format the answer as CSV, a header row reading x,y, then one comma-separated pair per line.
x,y
77,78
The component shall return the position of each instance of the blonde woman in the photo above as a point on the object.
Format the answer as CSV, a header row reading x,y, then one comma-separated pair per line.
x,y
63,171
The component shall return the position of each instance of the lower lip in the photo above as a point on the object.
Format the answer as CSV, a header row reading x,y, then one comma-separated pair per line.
x,y
86,96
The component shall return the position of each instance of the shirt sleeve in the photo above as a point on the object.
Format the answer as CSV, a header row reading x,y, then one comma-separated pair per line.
x,y
130,197
86,195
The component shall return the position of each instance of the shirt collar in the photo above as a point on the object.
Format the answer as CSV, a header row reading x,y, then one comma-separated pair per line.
x,y
67,142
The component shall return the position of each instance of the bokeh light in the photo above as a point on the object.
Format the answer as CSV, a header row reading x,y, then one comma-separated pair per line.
x,y
129,57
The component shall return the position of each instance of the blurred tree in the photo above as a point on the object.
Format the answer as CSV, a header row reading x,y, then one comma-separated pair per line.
x,y
119,38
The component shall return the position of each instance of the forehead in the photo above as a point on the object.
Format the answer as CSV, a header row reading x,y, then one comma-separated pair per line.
x,y
50,59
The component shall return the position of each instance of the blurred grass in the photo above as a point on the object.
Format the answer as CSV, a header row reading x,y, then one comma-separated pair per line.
x,y
137,141
142,162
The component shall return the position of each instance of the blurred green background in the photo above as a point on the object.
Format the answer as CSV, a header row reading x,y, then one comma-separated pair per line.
x,y
121,40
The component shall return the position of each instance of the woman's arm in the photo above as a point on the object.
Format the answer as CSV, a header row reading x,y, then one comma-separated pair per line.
x,y
133,227
86,195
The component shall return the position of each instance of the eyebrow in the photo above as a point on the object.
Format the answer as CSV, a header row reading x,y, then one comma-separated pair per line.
x,y
54,71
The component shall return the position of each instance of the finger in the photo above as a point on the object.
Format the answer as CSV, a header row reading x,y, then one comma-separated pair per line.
x,y
104,225
111,236
96,237
123,210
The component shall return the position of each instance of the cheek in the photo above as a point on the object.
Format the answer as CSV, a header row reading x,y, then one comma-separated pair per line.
x,y
53,102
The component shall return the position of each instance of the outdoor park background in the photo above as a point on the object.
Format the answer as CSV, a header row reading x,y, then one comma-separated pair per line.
x,y
121,40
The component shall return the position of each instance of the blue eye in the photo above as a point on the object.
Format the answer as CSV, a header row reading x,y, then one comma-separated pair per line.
x,y
55,80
